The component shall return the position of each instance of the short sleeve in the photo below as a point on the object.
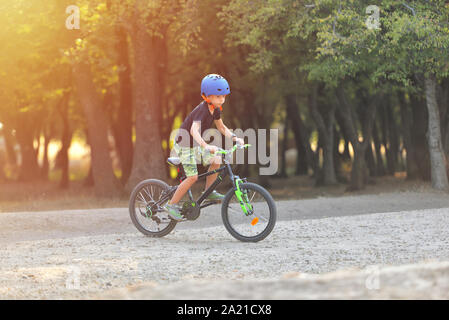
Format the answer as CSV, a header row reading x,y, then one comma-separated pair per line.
x,y
217,114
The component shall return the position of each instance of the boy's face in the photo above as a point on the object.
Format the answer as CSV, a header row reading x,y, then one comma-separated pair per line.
x,y
217,100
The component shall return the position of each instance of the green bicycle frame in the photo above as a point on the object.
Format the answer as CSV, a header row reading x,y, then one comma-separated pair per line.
x,y
242,197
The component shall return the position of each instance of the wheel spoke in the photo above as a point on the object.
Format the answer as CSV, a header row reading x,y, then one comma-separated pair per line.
x,y
250,200
160,195
251,226
142,198
260,217
154,222
146,191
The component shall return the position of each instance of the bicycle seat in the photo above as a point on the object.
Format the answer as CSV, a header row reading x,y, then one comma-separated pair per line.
x,y
174,161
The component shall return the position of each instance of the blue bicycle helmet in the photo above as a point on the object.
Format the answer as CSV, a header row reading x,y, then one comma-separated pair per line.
x,y
214,84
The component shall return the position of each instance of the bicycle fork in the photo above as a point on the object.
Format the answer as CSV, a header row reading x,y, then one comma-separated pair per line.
x,y
242,197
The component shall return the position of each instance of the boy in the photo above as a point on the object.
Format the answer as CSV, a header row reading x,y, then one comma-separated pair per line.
x,y
214,89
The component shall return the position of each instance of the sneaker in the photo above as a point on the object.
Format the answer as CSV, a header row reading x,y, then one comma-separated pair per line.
x,y
215,196
174,211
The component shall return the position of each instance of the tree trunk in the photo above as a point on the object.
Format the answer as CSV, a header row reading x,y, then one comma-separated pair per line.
x,y
380,168
393,137
338,157
29,169
283,171
25,132
66,142
262,120
420,125
246,122
384,130
325,126
123,125
445,116
330,177
302,166
442,92
371,163
346,155
359,174
2,166
66,138
305,158
165,130
45,162
412,167
64,156
437,158
9,145
148,159
37,139
390,137
105,182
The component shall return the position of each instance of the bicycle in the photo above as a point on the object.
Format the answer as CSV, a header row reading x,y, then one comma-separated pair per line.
x,y
248,210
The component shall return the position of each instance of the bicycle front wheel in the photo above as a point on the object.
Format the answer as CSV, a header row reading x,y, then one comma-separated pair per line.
x,y
259,219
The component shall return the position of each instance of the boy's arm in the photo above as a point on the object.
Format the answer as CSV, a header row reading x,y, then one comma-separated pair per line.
x,y
223,129
226,132
195,132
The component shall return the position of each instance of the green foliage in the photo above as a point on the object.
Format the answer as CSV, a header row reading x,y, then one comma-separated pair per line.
x,y
336,41
266,48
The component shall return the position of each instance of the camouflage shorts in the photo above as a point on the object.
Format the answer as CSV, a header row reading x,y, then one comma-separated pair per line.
x,y
190,157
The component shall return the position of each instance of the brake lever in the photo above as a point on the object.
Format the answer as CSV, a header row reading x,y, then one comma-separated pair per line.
x,y
242,146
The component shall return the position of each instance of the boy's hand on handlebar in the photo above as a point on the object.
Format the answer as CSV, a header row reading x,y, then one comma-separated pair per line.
x,y
212,148
239,141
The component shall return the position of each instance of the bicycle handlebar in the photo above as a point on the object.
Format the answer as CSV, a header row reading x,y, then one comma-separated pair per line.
x,y
235,147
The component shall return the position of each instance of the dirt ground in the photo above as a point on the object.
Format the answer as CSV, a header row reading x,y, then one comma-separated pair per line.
x,y
83,254
425,280
324,245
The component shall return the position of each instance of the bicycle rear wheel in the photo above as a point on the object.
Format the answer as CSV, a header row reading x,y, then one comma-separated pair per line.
x,y
260,219
145,208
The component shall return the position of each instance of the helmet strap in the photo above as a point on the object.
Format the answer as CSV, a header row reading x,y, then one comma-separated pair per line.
x,y
212,107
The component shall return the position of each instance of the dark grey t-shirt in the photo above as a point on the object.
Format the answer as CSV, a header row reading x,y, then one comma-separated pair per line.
x,y
201,114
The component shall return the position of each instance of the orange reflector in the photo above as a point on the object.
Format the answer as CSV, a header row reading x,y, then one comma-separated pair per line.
x,y
255,220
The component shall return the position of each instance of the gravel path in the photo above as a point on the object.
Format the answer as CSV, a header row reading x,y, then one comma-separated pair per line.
x,y
20,226
88,260
429,280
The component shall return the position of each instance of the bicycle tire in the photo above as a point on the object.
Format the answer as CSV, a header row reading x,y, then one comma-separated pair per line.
x,y
132,211
271,205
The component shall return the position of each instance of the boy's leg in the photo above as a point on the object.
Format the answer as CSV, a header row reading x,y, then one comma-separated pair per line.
x,y
187,157
183,188
188,162
215,163
172,206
